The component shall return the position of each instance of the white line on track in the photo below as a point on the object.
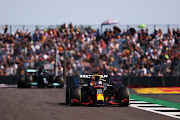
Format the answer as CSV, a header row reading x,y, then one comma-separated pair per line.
x,y
138,102
173,113
155,105
159,108
153,108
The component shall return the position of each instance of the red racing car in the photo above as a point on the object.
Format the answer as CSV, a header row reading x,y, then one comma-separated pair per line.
x,y
97,91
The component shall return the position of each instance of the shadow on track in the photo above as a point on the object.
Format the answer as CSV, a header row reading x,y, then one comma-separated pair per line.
x,y
65,105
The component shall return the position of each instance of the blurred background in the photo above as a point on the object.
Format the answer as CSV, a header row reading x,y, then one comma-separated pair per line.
x,y
138,41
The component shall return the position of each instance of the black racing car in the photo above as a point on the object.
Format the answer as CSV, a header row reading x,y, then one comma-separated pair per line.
x,y
97,91
39,78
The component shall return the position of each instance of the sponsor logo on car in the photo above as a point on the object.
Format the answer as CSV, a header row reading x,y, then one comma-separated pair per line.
x,y
91,76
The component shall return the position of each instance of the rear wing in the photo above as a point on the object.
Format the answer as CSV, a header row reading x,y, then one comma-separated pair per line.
x,y
91,76
86,78
31,71
76,80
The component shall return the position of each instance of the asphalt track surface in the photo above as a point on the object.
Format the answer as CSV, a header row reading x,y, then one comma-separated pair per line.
x,y
49,104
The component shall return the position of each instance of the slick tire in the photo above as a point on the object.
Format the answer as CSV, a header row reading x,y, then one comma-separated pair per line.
x,y
124,96
60,80
21,82
67,94
50,79
28,80
75,95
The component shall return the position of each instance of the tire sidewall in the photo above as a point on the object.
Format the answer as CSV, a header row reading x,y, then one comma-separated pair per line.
x,y
75,93
123,94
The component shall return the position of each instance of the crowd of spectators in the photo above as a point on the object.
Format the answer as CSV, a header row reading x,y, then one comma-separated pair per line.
x,y
115,52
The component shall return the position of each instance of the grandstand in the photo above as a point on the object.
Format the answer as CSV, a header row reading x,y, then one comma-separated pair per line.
x,y
126,52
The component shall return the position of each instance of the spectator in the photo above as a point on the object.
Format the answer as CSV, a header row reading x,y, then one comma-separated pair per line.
x,y
136,53
5,29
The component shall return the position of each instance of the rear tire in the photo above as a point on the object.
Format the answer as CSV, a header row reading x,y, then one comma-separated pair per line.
x,y
67,94
50,79
21,82
41,83
28,80
124,96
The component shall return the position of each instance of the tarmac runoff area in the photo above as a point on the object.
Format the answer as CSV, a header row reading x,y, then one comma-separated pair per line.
x,y
49,104
171,94
166,99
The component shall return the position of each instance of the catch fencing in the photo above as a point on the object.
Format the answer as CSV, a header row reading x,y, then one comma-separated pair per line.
x,y
151,27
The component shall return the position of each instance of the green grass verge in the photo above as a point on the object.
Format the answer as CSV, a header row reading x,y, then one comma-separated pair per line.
x,y
156,101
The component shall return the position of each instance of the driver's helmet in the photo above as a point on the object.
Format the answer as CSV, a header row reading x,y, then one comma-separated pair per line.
x,y
40,73
96,80
96,77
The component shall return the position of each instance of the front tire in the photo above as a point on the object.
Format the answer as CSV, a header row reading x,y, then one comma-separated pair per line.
x,y
60,80
124,96
75,95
